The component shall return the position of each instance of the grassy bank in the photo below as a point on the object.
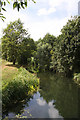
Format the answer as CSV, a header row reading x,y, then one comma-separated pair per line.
x,y
17,84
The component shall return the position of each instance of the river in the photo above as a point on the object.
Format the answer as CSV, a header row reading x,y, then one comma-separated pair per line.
x,y
58,97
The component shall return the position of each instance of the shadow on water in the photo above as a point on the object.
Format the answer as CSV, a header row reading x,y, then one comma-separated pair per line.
x,y
58,97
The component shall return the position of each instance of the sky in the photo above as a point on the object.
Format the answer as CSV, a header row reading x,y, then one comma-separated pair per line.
x,y
42,17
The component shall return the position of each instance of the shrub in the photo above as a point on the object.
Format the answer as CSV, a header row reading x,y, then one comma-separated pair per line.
x,y
20,87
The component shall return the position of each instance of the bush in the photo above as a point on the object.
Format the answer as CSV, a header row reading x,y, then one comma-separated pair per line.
x,y
23,85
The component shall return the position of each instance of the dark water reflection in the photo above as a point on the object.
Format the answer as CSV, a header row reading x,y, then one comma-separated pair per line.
x,y
58,98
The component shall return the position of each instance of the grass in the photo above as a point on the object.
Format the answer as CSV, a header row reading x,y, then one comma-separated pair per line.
x,y
8,71
17,84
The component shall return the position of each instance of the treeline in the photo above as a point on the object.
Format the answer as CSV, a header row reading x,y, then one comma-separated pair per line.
x,y
57,54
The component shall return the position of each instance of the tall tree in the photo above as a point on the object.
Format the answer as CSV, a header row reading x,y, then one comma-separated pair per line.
x,y
26,50
13,35
44,47
68,48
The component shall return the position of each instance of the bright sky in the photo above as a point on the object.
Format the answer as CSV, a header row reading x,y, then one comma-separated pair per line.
x,y
46,16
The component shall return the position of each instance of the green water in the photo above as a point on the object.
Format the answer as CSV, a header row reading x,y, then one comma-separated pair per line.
x,y
65,93
58,97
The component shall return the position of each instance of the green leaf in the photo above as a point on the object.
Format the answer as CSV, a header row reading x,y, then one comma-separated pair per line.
x,y
25,4
34,1
3,9
18,6
1,3
1,14
4,3
3,17
15,5
8,1
22,5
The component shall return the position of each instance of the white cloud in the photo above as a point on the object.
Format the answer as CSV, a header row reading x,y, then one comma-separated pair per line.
x,y
52,4
39,26
55,3
44,11
53,112
52,26
41,102
71,6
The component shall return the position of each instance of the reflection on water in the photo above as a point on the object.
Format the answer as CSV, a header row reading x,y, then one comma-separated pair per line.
x,y
64,91
58,98
39,108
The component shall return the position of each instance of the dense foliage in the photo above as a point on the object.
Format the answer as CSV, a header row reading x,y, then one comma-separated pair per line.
x,y
20,87
43,54
61,54
58,54
17,46
66,56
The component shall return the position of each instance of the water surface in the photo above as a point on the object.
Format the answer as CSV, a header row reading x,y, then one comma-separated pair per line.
x,y
58,97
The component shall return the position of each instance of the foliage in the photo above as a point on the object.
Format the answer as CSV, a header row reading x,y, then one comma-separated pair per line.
x,y
26,50
20,87
0,50
66,57
60,54
17,46
77,78
16,4
43,55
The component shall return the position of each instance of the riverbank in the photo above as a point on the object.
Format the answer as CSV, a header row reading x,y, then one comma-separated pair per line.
x,y
17,84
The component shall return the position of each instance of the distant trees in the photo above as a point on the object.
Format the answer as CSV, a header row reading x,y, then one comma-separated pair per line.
x,y
44,47
61,54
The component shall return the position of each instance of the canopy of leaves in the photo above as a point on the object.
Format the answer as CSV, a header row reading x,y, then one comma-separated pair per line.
x,y
43,55
13,42
66,56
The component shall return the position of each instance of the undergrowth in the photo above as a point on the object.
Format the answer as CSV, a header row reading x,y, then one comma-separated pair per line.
x,y
20,87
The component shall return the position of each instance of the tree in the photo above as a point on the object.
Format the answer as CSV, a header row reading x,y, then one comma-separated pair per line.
x,y
66,56
16,4
43,55
13,35
26,50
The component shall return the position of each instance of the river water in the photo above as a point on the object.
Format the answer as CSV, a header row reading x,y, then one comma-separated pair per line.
x,y
58,97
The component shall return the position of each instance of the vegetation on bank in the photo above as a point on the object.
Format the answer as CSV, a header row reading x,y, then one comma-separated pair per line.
x,y
57,54
17,84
